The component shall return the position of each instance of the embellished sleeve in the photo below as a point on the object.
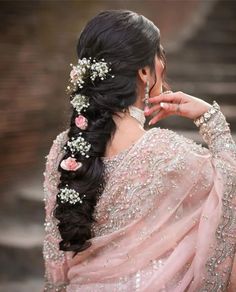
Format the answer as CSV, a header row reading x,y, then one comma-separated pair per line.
x,y
54,259
210,173
216,133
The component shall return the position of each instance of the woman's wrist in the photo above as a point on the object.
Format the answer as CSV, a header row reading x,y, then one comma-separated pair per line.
x,y
205,117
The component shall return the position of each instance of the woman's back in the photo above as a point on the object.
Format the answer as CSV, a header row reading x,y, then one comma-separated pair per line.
x,y
135,175
155,212
156,219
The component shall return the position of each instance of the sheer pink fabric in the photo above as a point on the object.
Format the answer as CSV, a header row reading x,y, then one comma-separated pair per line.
x,y
166,220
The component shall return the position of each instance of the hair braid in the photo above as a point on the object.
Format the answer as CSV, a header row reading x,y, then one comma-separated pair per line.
x,y
128,41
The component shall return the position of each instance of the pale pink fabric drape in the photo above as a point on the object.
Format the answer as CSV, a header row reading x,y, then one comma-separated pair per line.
x,y
166,220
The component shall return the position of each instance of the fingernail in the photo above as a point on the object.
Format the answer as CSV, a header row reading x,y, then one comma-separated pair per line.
x,y
163,104
150,122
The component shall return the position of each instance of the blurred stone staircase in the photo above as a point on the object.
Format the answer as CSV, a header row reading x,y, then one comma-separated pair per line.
x,y
21,238
205,67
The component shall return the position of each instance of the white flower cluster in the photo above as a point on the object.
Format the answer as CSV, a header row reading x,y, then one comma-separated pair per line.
x,y
79,72
79,145
88,68
99,69
69,195
79,102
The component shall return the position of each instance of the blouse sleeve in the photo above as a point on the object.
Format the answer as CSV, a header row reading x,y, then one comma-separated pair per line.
x,y
216,174
210,173
216,133
54,259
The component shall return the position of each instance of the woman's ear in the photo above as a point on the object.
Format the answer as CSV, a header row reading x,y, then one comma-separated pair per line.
x,y
144,74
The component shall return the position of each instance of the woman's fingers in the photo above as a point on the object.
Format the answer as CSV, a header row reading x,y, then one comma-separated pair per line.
x,y
175,97
171,107
160,115
177,103
150,110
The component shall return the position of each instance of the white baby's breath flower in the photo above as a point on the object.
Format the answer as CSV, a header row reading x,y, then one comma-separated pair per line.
x,y
79,145
88,68
70,195
99,69
79,102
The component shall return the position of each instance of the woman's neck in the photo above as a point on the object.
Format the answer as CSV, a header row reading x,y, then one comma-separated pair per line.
x,y
128,131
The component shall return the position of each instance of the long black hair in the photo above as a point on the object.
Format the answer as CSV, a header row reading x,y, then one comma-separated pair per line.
x,y
128,41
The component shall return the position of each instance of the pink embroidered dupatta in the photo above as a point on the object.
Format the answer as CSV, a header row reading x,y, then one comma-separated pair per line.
x,y
166,220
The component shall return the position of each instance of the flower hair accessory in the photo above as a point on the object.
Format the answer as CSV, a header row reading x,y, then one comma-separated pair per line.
x,y
81,122
70,164
70,195
85,69
78,145
79,102
88,68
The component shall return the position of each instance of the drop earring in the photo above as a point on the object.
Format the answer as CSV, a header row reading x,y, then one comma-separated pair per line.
x,y
146,94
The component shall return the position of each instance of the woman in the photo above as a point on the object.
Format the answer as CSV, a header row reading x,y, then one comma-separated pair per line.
x,y
128,208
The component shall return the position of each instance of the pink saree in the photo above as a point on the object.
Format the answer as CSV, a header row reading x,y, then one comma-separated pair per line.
x,y
166,220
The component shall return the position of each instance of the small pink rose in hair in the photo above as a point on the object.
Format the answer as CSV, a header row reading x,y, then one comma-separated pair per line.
x,y
74,75
70,164
81,122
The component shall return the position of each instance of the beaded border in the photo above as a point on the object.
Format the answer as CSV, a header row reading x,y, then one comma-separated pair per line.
x,y
207,115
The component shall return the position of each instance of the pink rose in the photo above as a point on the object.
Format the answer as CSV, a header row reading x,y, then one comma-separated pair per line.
x,y
81,122
70,164
74,75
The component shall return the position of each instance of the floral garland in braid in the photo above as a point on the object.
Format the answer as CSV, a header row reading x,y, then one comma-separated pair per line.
x,y
86,68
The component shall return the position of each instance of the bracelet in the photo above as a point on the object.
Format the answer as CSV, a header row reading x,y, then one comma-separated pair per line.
x,y
207,115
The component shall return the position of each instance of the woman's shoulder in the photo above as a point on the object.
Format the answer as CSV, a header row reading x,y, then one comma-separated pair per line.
x,y
164,139
61,137
156,140
57,144
168,151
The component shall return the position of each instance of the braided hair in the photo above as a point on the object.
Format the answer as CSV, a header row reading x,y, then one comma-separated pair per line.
x,y
128,41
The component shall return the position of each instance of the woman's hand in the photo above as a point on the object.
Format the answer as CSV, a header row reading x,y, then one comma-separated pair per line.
x,y
175,103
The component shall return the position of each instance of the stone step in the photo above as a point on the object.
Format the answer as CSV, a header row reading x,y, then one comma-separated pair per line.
x,y
20,263
223,10
224,26
200,67
23,243
18,234
223,7
208,45
205,55
203,43
220,24
21,237
223,92
218,39
196,68
226,12
22,209
29,285
34,191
